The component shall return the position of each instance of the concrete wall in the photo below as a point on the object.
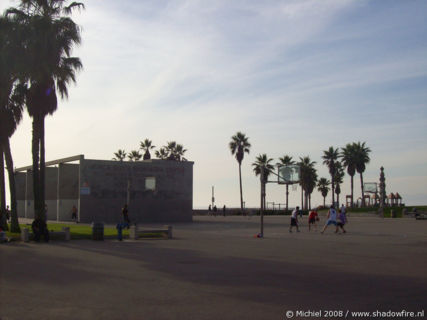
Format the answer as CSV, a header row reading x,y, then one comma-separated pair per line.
x,y
29,204
20,192
51,188
105,189
68,190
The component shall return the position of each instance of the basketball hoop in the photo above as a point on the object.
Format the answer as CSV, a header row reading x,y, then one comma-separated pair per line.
x,y
288,174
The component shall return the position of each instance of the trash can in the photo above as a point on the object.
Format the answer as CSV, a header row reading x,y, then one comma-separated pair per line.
x,y
97,231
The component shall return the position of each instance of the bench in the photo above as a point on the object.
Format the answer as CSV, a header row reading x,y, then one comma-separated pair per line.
x,y
135,232
26,234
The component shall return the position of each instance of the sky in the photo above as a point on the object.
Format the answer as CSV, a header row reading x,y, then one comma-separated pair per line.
x,y
295,76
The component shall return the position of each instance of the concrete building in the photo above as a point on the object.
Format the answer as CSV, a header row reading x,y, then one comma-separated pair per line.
x,y
156,190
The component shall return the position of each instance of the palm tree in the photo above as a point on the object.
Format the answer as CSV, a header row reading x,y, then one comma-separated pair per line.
x,y
330,158
51,35
179,152
339,179
362,159
348,158
120,155
146,145
307,174
134,155
170,149
3,222
10,116
238,145
11,102
161,154
311,184
323,188
262,164
286,161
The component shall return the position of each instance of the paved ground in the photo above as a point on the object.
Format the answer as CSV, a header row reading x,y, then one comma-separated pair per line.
x,y
215,269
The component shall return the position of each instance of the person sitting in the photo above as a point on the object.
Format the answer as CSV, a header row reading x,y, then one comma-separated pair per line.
x,y
39,228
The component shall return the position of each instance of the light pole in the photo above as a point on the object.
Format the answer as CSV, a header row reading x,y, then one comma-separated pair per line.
x,y
213,196
262,201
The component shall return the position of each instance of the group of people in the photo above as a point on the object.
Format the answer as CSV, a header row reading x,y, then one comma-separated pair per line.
x,y
338,220
214,211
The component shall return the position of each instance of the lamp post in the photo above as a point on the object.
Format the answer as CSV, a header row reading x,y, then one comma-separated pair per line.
x,y
261,234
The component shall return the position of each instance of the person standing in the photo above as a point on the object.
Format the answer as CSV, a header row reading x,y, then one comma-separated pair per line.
x,y
7,213
312,218
332,218
126,215
74,213
342,220
342,210
294,219
223,210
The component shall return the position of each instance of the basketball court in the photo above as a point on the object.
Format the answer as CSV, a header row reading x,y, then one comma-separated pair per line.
x,y
214,268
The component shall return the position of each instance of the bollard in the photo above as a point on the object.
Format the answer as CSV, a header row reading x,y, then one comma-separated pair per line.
x,y
25,235
97,231
67,233
169,232
133,232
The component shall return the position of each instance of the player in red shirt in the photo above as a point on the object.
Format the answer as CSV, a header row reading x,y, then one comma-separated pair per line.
x,y
312,218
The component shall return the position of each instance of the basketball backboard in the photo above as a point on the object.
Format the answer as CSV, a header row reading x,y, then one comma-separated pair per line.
x,y
288,174
370,187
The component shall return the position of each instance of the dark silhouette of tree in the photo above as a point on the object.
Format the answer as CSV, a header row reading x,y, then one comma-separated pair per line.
x,y
348,159
286,161
120,155
330,157
50,35
146,146
239,145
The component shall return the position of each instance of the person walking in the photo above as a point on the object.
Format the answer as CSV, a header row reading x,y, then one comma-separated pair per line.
x,y
223,210
294,219
126,215
332,218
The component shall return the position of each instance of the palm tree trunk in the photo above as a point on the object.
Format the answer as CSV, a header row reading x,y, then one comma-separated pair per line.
x,y
42,169
3,222
333,190
324,201
302,198
338,199
309,201
287,197
363,192
241,192
351,185
306,200
14,226
36,173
